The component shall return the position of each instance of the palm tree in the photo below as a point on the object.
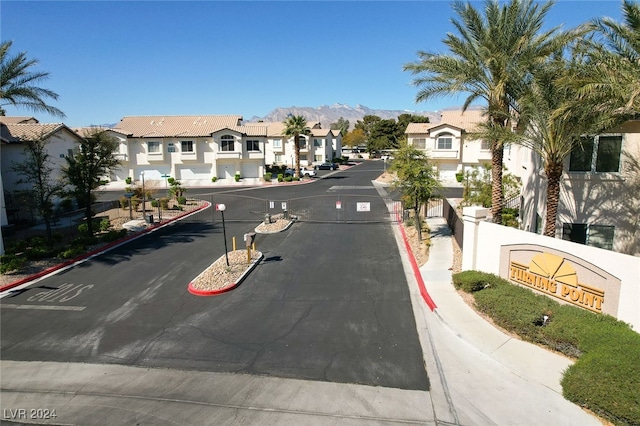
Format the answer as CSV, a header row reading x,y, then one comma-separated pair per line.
x,y
489,60
610,78
294,126
18,85
556,119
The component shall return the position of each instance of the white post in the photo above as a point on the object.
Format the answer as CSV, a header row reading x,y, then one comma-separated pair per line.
x,y
471,216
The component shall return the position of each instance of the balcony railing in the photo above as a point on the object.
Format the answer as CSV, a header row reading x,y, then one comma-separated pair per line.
x,y
445,153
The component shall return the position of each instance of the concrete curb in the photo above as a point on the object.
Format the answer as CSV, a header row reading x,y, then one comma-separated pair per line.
x,y
230,287
416,271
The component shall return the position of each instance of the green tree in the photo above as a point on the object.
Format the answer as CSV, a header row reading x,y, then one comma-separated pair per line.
x,y
37,170
19,86
384,134
489,60
342,125
555,118
417,179
94,159
366,125
405,119
609,78
294,126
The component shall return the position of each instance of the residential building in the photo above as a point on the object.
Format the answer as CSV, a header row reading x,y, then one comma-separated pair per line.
x,y
449,143
599,202
320,146
14,132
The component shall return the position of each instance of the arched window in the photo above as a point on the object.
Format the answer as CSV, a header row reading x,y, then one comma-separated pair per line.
x,y
445,141
227,142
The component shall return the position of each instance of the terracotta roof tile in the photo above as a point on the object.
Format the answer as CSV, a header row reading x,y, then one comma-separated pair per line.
x,y
176,125
16,133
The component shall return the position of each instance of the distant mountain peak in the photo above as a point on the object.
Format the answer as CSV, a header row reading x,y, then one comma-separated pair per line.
x,y
327,114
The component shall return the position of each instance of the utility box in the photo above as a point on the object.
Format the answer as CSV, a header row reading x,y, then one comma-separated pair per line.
x,y
249,238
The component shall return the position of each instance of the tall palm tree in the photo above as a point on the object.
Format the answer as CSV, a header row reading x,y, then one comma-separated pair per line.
x,y
610,80
294,126
488,60
555,118
18,85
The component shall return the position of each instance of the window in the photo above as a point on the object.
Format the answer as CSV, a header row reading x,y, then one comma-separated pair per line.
x,y
277,143
318,158
153,147
303,158
592,235
444,142
600,154
226,143
485,145
420,143
278,158
302,142
171,147
253,145
317,142
186,146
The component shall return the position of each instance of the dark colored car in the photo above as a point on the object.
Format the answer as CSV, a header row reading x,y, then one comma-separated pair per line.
x,y
327,166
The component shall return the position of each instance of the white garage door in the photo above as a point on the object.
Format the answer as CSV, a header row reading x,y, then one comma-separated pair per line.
x,y
226,171
447,171
249,170
154,173
195,172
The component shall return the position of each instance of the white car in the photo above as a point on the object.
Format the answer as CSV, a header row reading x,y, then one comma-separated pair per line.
x,y
303,172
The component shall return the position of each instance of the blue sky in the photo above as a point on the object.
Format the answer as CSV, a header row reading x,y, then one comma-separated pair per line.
x,y
110,59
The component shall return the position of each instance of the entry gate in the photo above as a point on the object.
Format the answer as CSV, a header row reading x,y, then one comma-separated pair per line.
x,y
323,208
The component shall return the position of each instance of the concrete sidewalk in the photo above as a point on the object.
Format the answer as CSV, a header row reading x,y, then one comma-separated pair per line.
x,y
522,380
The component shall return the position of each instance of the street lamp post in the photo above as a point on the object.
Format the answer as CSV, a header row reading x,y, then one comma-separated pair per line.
x,y
143,198
221,208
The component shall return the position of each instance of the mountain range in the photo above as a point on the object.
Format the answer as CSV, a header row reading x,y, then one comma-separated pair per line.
x,y
327,114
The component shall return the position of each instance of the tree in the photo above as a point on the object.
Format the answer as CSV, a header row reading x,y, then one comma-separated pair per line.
x,y
94,159
609,80
366,125
384,134
417,179
342,125
37,171
18,85
489,59
354,138
294,126
405,119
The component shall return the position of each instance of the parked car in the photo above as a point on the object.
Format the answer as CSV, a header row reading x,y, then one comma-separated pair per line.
x,y
303,172
327,166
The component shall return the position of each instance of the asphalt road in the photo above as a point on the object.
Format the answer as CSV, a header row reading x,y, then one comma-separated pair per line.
x,y
330,302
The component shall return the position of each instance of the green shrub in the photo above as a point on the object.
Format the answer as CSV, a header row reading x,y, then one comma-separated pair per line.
x,y
155,203
72,252
296,178
268,176
113,235
105,225
605,376
470,281
11,262
280,177
128,180
288,179
214,179
164,203
124,202
237,177
182,200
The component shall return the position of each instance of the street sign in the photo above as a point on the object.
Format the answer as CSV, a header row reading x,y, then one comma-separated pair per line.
x,y
364,207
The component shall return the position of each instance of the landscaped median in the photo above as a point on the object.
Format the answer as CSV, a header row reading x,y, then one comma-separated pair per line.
x,y
606,375
226,273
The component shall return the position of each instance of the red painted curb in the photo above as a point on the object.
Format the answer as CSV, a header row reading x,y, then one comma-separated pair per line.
x,y
197,292
416,271
96,251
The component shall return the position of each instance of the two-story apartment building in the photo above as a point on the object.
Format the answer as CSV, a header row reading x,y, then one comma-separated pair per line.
x,y
190,147
599,203
14,132
448,142
320,146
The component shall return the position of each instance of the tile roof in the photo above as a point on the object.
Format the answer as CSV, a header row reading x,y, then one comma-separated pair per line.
x,y
16,133
17,120
467,121
275,128
176,125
